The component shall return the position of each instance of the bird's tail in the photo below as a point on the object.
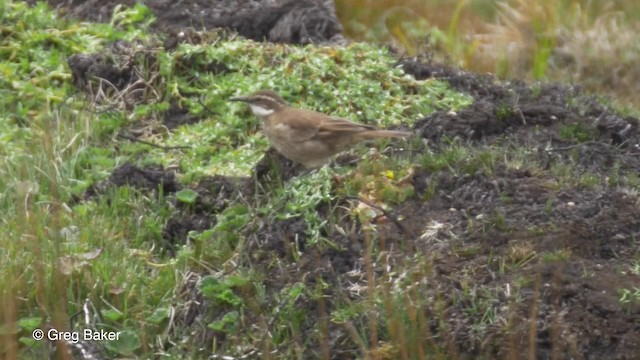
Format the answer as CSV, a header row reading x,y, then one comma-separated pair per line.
x,y
374,134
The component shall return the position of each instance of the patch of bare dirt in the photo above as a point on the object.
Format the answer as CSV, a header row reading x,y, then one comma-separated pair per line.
x,y
152,178
214,195
573,299
177,116
284,21
120,77
545,117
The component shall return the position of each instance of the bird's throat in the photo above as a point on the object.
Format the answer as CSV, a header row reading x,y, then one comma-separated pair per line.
x,y
260,111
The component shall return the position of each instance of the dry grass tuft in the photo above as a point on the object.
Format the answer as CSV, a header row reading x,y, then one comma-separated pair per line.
x,y
585,42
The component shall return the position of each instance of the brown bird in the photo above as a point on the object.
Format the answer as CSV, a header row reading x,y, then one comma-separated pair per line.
x,y
306,136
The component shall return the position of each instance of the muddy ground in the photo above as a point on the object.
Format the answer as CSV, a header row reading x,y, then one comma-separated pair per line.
x,y
492,229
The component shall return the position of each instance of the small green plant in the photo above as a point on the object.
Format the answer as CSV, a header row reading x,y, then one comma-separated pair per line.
x,y
556,256
300,198
504,112
26,326
577,132
478,304
220,292
230,221
127,344
549,205
498,221
614,178
469,251
445,157
630,296
135,20
537,230
290,315
228,323
635,267
536,89
589,180
632,180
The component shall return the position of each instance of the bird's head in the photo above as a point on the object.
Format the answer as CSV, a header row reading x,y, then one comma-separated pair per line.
x,y
263,102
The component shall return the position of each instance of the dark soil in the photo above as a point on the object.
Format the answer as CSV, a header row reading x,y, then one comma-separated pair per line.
x,y
285,21
532,115
568,249
149,179
597,226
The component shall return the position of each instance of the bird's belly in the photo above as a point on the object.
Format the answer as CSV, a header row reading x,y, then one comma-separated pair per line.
x,y
310,153
305,152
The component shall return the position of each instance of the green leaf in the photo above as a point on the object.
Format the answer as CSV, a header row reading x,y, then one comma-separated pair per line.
x,y
211,287
30,342
296,291
30,323
236,280
227,323
111,314
128,342
187,196
229,297
159,315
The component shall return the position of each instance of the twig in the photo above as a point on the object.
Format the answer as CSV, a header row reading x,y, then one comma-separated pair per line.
x,y
592,142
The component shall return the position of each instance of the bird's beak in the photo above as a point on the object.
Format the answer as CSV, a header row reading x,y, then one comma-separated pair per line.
x,y
239,98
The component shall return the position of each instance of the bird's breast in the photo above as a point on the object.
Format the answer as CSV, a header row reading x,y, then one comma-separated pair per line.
x,y
276,130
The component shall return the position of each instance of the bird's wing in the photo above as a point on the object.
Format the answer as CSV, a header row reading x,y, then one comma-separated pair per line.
x,y
337,127
308,124
300,125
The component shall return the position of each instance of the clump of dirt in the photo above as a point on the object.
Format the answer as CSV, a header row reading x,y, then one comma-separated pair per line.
x,y
127,75
121,77
85,67
285,21
177,116
151,178
177,228
578,316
